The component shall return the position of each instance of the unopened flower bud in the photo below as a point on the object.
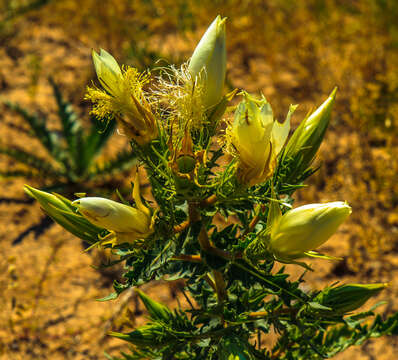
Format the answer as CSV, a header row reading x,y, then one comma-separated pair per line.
x,y
305,228
116,217
108,71
63,212
307,138
208,62
257,139
156,310
346,298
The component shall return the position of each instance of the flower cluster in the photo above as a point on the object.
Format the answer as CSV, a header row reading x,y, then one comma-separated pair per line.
x,y
255,139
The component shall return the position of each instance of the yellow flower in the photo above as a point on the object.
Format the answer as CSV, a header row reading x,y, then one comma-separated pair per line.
x,y
256,138
209,61
124,221
305,228
113,216
123,98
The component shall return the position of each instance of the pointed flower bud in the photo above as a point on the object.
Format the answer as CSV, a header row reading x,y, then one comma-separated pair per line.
x,y
124,220
346,298
209,62
305,228
108,71
145,336
156,310
256,138
63,212
307,138
123,98
127,222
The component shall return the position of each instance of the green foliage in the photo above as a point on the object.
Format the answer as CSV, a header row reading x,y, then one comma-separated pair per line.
x,y
72,151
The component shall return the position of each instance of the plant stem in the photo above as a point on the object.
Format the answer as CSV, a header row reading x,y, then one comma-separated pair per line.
x,y
191,258
181,227
269,281
210,281
254,221
220,286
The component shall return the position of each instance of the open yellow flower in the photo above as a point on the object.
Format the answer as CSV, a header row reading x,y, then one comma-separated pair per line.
x,y
123,98
256,138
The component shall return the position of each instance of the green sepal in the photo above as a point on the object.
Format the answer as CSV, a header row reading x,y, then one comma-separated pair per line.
x,y
318,255
218,111
274,212
62,212
157,311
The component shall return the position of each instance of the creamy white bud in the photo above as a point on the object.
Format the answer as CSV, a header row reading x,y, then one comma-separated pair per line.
x,y
306,227
209,62
114,216
108,71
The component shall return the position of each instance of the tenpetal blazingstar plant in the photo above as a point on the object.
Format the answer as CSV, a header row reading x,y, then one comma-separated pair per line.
x,y
235,293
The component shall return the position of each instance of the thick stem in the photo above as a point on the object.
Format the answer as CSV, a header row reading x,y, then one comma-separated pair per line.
x,y
220,286
204,241
210,281
193,213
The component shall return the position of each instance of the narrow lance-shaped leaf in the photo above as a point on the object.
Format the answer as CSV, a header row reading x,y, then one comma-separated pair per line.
x,y
39,128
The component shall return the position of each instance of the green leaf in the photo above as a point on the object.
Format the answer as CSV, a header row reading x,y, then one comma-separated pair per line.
x,y
318,306
72,130
97,139
156,310
124,160
38,125
33,161
21,173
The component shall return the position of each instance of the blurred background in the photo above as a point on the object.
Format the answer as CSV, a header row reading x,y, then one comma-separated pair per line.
x,y
294,52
